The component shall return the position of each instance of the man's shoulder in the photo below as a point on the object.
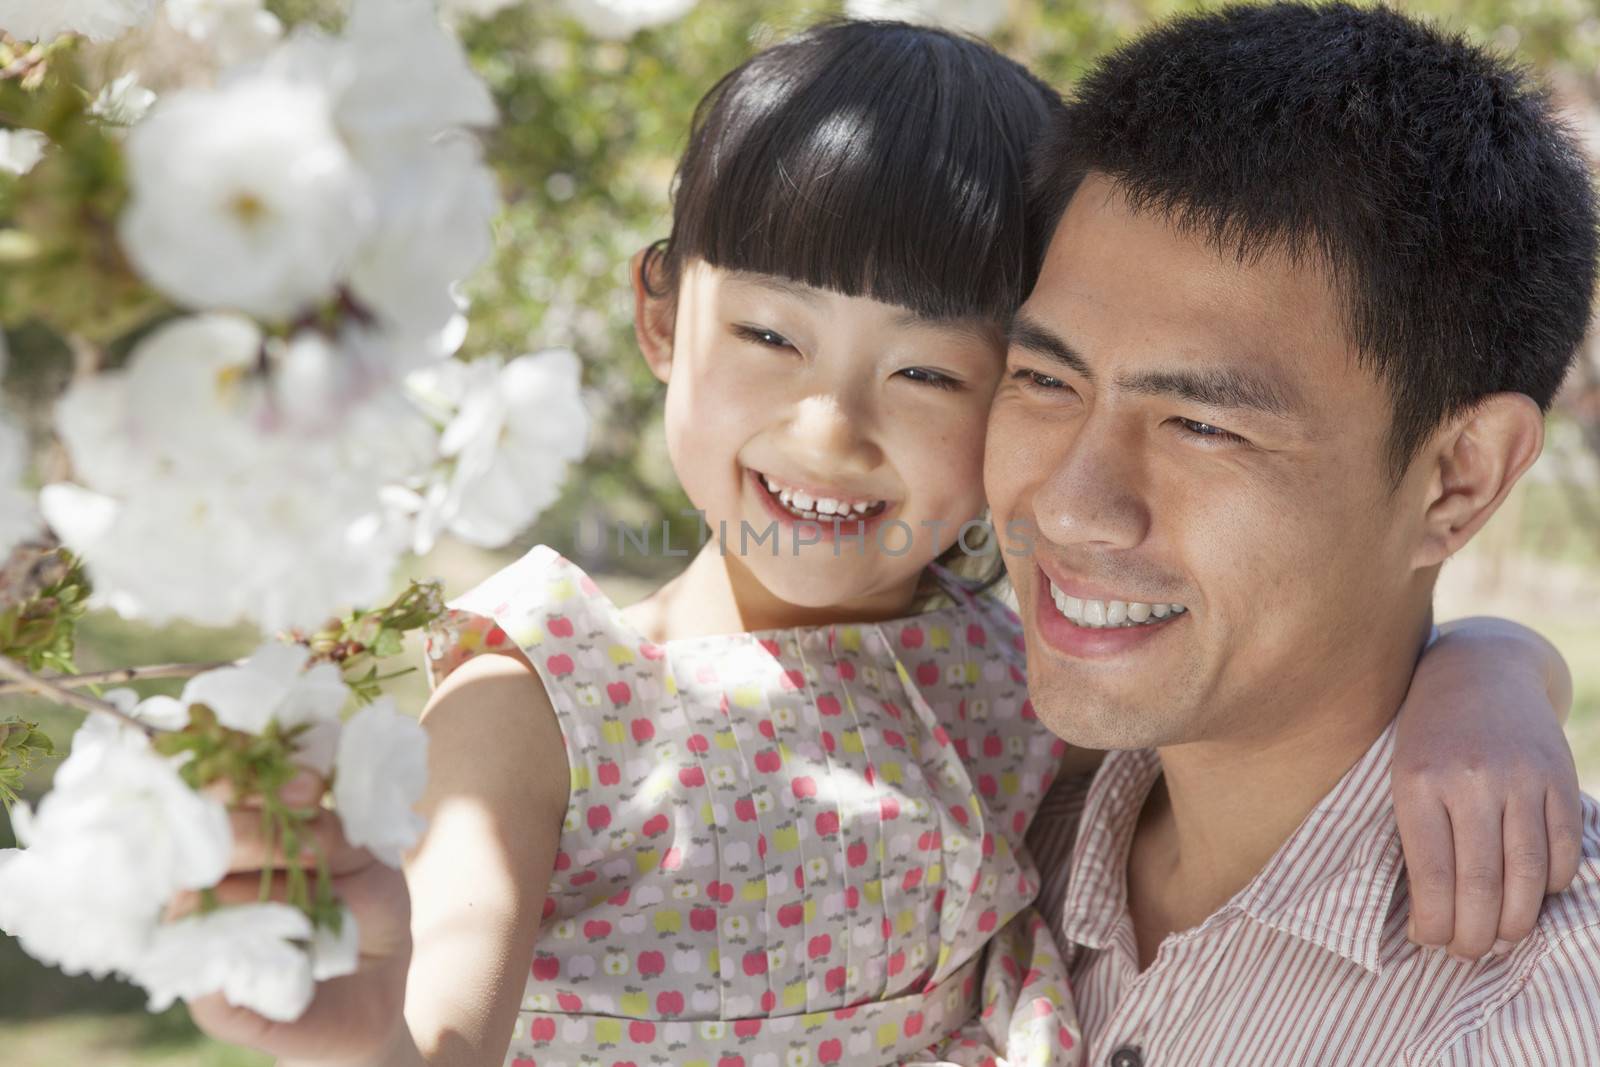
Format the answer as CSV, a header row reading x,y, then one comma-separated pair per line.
x,y
1539,1005
1575,912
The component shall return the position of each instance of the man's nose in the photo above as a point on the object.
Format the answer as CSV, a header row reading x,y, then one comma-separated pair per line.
x,y
1096,494
833,436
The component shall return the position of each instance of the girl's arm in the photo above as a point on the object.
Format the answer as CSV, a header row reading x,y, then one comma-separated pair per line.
x,y
497,792
1485,789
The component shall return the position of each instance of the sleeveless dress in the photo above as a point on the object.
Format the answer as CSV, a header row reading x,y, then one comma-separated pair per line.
x,y
783,848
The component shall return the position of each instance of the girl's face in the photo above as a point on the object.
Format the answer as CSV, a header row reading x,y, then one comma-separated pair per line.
x,y
833,443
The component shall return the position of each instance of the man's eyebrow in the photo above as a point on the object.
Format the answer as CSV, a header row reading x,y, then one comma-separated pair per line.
x,y
773,283
1217,387
1025,332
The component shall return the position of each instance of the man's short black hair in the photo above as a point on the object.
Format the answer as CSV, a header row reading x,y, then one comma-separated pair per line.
x,y
874,159
1453,210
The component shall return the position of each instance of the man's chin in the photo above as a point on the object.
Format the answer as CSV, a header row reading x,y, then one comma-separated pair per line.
x,y
1090,715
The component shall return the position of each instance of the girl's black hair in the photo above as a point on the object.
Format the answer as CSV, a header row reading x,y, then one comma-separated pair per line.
x,y
874,159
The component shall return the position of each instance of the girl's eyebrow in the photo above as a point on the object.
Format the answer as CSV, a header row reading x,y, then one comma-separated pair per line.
x,y
967,326
771,282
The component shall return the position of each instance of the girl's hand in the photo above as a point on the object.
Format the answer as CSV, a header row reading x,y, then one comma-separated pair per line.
x,y
354,1020
1485,790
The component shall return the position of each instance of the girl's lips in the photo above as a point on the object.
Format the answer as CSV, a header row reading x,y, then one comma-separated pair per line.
x,y
1082,642
827,530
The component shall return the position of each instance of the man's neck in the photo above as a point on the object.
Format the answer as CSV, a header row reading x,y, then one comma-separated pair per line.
x,y
1222,809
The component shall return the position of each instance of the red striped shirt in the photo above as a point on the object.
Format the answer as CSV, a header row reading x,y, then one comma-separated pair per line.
x,y
1309,964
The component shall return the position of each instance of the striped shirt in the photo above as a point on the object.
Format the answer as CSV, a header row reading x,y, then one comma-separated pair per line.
x,y
1308,965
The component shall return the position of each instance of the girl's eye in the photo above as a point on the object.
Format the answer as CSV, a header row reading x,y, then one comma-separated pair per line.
x,y
1213,433
760,335
937,379
1034,380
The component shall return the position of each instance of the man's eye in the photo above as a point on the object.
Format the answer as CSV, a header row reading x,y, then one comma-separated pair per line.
x,y
760,335
937,379
1206,430
1034,380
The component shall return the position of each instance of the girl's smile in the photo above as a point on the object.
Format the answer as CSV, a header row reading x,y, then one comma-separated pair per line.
x,y
832,513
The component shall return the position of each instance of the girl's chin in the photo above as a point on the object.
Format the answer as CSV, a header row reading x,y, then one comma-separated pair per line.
x,y
818,580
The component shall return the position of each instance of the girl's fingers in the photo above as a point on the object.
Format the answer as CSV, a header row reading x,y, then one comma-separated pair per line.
x,y
323,835
1527,868
376,895
1480,874
352,1019
1564,823
302,791
1429,845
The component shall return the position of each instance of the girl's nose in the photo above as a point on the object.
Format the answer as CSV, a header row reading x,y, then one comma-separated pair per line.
x,y
831,437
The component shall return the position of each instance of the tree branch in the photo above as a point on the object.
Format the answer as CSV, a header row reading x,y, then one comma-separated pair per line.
x,y
62,695
122,675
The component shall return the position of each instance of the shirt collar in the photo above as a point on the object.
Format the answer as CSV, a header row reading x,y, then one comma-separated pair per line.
x,y
1331,884
1097,886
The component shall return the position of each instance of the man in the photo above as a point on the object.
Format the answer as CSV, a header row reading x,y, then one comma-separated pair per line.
x,y
1314,273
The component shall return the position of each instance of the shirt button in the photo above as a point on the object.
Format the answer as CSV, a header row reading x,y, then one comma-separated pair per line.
x,y
1126,1056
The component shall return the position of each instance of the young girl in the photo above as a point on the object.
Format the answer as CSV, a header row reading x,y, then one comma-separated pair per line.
x,y
774,814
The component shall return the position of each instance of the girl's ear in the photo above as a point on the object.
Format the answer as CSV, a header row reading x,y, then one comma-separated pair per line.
x,y
653,313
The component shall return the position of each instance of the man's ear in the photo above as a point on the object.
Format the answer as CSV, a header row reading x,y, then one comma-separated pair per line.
x,y
1477,458
654,313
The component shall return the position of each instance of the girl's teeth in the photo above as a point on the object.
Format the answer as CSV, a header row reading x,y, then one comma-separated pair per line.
x,y
1101,614
806,506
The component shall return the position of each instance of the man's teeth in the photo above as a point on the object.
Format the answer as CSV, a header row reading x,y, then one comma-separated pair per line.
x,y
1111,614
806,506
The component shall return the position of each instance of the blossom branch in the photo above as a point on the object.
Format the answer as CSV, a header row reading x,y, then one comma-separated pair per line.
x,y
122,675
47,687
24,65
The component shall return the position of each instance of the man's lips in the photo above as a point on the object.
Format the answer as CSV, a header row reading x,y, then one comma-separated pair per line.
x,y
1101,634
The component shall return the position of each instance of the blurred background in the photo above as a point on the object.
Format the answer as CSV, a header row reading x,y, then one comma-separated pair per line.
x,y
591,130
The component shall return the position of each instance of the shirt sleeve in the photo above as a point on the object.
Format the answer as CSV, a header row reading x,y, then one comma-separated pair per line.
x,y
1554,1018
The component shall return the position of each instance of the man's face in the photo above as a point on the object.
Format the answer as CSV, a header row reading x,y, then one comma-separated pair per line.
x,y
1190,442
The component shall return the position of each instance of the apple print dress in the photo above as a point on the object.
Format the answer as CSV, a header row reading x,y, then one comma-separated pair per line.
x,y
782,848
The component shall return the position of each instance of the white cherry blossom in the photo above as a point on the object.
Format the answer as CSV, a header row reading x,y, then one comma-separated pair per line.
x,y
971,16
252,954
513,429
119,833
272,685
235,30
378,780
245,198
620,19
45,20
21,150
